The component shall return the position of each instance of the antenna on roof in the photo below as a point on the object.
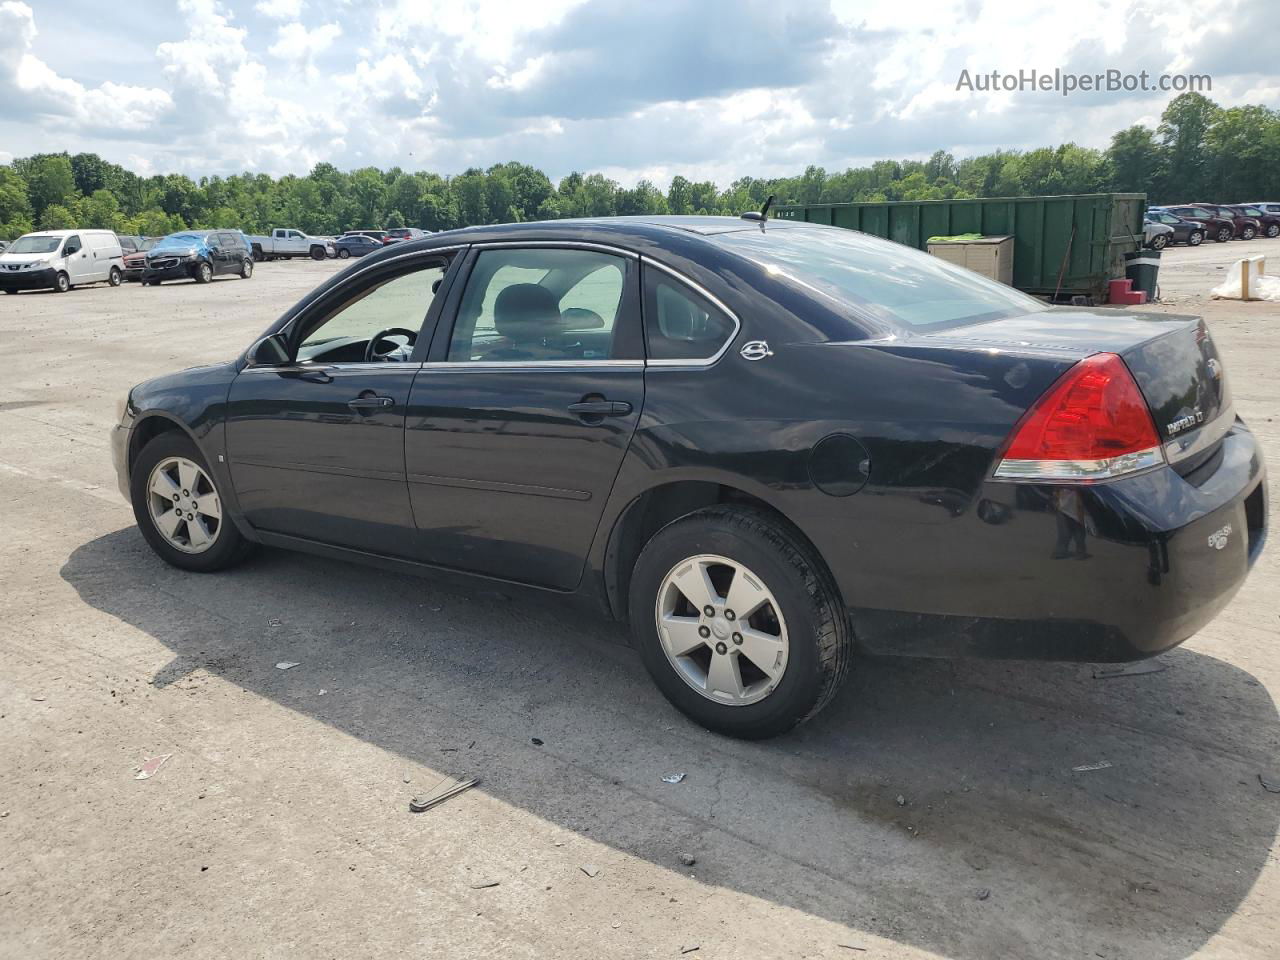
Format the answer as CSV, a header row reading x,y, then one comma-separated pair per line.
x,y
760,215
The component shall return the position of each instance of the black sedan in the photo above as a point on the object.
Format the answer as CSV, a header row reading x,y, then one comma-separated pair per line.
x,y
356,245
1190,232
763,445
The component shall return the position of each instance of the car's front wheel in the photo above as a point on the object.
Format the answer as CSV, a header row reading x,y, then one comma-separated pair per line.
x,y
246,268
204,273
343,253
738,622
61,283
1224,234
1195,238
179,509
115,277
1248,233
1273,230
1158,243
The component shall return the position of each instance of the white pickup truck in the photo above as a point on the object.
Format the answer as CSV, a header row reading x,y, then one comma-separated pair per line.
x,y
287,242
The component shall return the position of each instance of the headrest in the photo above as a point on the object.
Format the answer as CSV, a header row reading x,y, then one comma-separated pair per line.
x,y
525,311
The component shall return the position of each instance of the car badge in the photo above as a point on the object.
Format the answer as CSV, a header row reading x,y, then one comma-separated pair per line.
x,y
755,350
1215,368
1218,539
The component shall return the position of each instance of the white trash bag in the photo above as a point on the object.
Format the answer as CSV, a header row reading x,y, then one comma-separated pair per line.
x,y
1247,280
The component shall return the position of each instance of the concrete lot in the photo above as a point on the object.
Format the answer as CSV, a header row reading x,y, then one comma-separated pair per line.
x,y
280,827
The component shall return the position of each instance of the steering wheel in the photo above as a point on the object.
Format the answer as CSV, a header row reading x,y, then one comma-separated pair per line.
x,y
371,353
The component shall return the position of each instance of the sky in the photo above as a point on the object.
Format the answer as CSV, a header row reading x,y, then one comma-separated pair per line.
x,y
711,89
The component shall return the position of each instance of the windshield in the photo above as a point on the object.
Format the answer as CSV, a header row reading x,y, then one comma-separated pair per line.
x,y
35,243
179,240
148,243
886,280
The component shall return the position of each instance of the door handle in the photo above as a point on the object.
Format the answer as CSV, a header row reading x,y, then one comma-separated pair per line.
x,y
600,408
369,402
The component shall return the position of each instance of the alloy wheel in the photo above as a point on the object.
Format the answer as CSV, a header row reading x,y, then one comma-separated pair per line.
x,y
184,505
722,630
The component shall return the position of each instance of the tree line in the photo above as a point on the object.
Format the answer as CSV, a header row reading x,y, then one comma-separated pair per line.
x,y
1198,152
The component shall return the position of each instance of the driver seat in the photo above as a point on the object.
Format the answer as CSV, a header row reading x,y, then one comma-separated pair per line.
x,y
526,316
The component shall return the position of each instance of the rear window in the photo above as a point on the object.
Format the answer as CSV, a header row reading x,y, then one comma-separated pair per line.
x,y
886,280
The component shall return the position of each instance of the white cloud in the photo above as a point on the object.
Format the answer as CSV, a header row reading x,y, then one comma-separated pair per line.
x,y
280,9
296,42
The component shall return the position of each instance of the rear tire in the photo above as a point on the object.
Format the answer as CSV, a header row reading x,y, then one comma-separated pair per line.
x,y
227,548
813,645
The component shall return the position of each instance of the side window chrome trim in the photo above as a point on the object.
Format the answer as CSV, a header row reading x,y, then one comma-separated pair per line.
x,y
710,298
526,366
570,244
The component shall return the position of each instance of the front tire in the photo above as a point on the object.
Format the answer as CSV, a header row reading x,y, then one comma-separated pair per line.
x,y
204,273
1159,243
344,253
1224,234
115,278
1273,230
246,268
62,283
317,253
1195,238
179,509
753,672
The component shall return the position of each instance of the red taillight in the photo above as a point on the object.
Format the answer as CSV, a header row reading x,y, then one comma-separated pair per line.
x,y
1093,424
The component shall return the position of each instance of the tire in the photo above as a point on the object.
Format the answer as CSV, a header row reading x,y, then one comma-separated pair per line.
x,y
115,278
62,283
1195,238
204,272
228,546
1160,242
1223,235
1248,233
817,642
343,253
152,283
246,268
317,253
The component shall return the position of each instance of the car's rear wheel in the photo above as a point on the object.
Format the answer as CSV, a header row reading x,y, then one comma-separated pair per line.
x,y
204,273
740,625
61,283
179,509
1224,234
1195,238
246,268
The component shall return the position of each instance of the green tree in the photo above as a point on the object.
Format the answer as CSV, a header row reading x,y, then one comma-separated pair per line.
x,y
1183,128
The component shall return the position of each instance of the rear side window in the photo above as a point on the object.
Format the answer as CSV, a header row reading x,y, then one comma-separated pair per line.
x,y
681,324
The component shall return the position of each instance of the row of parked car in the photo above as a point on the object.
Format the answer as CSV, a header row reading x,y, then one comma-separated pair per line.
x,y
62,259
1193,223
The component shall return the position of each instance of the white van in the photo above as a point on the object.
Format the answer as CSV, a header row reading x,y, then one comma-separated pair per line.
x,y
61,259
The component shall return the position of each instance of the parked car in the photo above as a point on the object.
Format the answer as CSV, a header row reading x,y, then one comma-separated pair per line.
x,y
1246,228
1190,232
1266,206
198,255
285,242
135,262
128,243
4,245
379,235
1268,223
356,245
398,234
741,438
1220,228
1156,235
61,259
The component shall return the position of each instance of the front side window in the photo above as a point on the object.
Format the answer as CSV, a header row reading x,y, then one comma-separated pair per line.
x,y
679,323
537,304
391,310
72,245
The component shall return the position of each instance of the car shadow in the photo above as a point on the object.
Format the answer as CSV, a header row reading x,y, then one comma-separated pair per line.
x,y
975,809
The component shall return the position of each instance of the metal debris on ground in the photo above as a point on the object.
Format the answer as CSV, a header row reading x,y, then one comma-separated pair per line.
x,y
1086,767
287,664
273,622
536,741
151,767
442,791
589,869
1269,784
690,948
688,859
850,946
984,894
674,777
900,800
1107,671
485,884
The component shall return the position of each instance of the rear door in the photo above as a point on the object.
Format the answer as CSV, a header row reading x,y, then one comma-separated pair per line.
x,y
519,421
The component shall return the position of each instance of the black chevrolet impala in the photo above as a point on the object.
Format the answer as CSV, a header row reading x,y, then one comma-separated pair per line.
x,y
765,445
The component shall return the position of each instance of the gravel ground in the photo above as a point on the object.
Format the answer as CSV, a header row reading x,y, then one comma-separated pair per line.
x,y
933,810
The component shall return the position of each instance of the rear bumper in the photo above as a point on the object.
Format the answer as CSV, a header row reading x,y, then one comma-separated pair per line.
x,y
28,279
1110,572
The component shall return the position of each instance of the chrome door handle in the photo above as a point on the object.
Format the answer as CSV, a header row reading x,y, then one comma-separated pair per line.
x,y
369,403
600,408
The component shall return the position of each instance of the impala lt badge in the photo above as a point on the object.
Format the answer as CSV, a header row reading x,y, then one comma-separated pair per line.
x,y
1194,418
756,350
1218,539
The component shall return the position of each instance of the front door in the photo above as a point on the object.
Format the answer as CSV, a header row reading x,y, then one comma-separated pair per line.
x,y
79,260
316,445
518,423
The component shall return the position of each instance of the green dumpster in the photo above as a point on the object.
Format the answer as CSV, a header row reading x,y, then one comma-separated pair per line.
x,y
1071,245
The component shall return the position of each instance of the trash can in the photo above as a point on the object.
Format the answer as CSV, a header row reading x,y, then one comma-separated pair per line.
x,y
1143,268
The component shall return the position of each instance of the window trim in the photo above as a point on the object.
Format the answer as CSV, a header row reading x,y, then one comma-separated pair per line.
x,y
705,294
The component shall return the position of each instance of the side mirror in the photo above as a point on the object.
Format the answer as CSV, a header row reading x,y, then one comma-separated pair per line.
x,y
270,351
70,249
